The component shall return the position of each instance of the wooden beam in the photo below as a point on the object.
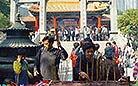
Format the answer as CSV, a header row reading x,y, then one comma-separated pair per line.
x,y
72,13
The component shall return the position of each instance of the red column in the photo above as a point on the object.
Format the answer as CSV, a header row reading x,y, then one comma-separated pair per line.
x,y
36,24
55,22
99,22
55,27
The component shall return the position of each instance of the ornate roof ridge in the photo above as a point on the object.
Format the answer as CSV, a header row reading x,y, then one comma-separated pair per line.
x,y
18,26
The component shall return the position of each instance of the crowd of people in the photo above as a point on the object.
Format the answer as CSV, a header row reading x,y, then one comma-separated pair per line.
x,y
76,34
92,65
107,65
89,64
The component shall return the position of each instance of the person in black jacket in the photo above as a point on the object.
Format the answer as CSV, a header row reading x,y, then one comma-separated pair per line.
x,y
109,51
112,68
84,70
48,59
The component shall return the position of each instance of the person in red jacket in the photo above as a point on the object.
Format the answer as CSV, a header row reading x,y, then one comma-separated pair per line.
x,y
73,56
116,48
116,52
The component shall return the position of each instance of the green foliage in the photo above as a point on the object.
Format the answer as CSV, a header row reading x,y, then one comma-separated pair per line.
x,y
119,12
5,7
129,17
4,14
4,21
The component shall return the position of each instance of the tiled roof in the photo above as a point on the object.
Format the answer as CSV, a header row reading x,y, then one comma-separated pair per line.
x,y
18,42
17,36
105,17
28,19
18,26
63,0
69,6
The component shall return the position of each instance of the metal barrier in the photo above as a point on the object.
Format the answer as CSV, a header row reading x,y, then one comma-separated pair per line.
x,y
105,70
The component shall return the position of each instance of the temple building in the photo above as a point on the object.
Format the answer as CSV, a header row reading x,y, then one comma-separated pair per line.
x,y
66,13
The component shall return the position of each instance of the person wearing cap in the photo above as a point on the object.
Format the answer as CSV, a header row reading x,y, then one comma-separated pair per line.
x,y
20,67
83,69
